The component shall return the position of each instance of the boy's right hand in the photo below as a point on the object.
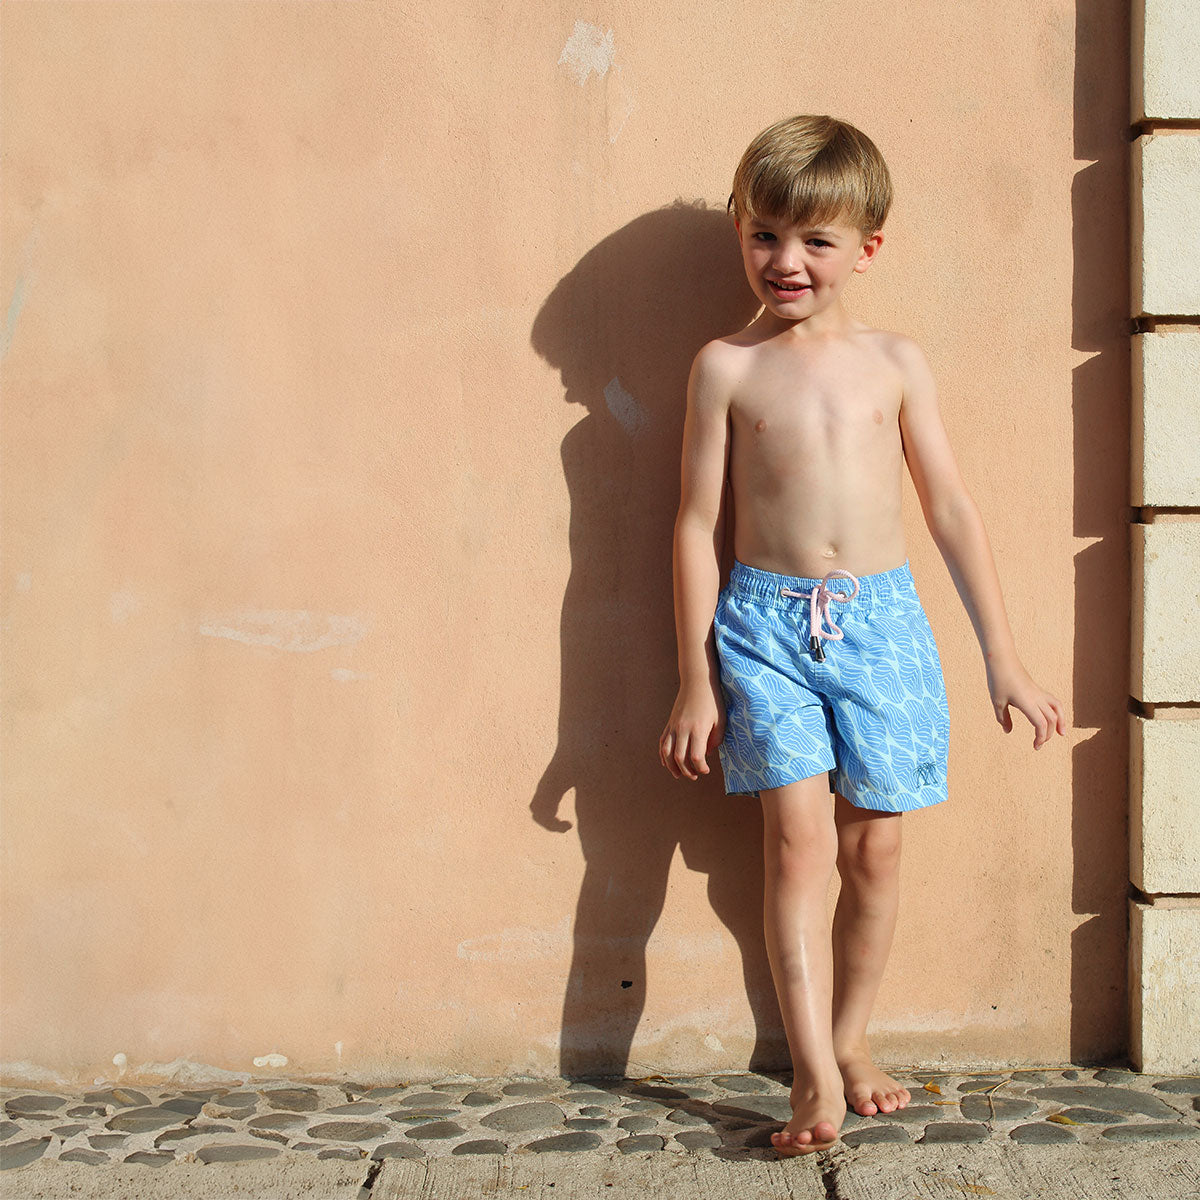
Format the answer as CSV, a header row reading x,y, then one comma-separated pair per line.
x,y
695,728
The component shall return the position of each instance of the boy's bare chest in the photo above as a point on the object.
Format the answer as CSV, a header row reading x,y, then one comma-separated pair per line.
x,y
815,409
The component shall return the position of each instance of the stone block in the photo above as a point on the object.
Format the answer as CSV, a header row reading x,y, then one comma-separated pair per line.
x,y
1164,991
1166,418
1164,805
1165,611
1166,59
1166,224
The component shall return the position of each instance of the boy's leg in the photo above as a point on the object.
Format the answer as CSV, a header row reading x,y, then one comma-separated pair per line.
x,y
868,860
799,854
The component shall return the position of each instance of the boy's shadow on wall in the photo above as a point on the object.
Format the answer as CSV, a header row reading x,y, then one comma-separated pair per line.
x,y
622,328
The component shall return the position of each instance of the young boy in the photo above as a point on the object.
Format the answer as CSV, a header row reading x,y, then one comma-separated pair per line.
x,y
807,677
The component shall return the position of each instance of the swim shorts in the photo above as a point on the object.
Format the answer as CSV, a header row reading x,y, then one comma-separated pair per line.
x,y
840,674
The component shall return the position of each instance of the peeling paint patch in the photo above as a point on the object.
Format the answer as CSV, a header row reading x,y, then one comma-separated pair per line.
x,y
181,1070
120,1061
271,1060
517,945
20,293
620,104
299,632
588,49
24,581
17,1074
628,412
713,1043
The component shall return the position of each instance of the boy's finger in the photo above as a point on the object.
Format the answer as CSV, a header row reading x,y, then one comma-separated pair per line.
x,y
681,750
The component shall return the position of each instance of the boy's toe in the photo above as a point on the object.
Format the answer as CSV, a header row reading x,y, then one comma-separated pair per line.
x,y
824,1131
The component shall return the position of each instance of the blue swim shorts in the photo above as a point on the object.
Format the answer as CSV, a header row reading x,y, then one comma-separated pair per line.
x,y
868,706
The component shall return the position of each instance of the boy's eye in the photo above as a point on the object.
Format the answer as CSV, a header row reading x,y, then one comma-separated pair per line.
x,y
818,242
764,236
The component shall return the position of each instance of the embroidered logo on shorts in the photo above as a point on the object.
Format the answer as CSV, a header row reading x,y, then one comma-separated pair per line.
x,y
926,773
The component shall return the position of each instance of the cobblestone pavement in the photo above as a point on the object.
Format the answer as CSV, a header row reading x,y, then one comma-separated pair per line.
x,y
729,1115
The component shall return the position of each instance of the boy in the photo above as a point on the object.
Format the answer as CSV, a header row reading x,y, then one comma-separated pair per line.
x,y
807,677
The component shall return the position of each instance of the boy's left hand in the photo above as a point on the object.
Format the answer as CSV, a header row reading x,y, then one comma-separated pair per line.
x,y
1009,683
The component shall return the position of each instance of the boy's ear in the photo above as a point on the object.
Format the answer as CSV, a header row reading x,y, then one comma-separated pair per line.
x,y
870,248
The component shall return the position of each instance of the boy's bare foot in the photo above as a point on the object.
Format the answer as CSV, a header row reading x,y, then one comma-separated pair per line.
x,y
868,1089
817,1115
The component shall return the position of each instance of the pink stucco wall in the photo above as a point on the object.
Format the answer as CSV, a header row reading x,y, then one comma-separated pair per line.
x,y
342,394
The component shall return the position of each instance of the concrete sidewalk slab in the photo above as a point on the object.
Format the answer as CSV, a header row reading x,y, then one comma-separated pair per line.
x,y
1093,1171
290,1176
1006,1172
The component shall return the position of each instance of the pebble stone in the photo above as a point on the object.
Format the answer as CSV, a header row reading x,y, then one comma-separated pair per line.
x,y
352,1131
422,1100
637,1124
1091,1116
566,1141
529,1089
436,1129
757,1108
698,1139
208,1154
681,1116
1187,1086
1147,1132
870,1134
913,1114
958,1132
293,1099
1113,1075
17,1154
482,1146
1041,1134
79,1154
480,1099
1112,1099
744,1083
1001,1108
150,1158
589,1123
397,1150
20,1106
640,1141
515,1118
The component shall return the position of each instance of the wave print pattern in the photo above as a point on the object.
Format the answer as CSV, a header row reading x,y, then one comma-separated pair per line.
x,y
874,714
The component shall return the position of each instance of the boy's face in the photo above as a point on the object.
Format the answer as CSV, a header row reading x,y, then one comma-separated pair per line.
x,y
798,271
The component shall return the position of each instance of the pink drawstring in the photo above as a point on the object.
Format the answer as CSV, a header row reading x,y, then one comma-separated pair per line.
x,y
818,611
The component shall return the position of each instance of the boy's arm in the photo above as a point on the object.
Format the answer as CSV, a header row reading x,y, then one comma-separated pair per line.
x,y
957,529
696,723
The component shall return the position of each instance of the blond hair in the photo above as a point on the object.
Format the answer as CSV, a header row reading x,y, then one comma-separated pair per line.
x,y
811,170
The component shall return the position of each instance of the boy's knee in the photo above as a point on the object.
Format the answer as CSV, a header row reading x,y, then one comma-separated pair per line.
x,y
805,851
872,858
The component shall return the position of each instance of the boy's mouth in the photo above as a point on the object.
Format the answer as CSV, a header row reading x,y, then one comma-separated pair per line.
x,y
784,289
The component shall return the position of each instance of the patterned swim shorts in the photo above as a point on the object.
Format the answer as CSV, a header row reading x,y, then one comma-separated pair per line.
x,y
856,690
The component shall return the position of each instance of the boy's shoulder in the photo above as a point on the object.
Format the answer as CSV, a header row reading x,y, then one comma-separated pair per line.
x,y
730,353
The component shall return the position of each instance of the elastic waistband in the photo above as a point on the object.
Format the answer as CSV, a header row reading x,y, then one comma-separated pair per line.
x,y
765,587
